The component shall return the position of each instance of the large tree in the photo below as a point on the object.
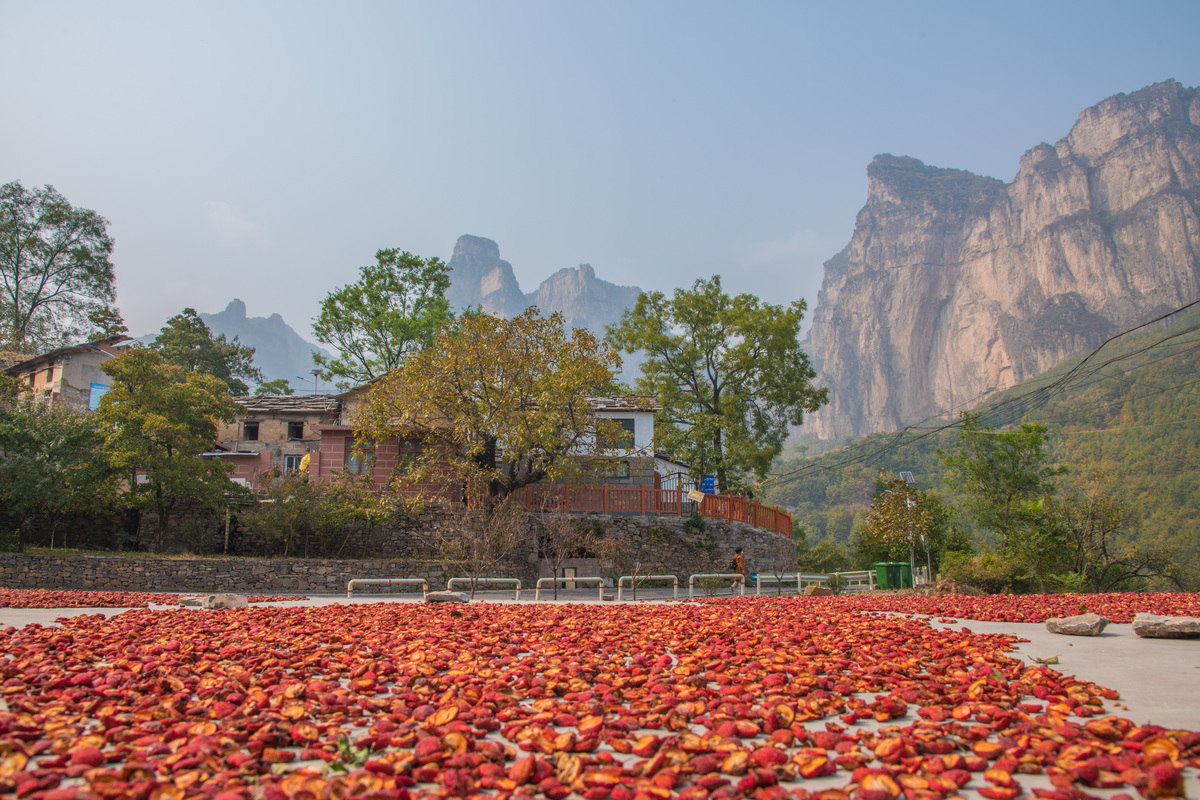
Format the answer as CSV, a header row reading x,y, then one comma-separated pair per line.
x,y
393,310
729,372
187,342
55,271
1004,475
507,400
157,419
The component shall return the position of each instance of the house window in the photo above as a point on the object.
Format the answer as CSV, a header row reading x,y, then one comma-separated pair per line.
x,y
410,454
50,374
295,430
250,431
291,464
360,457
619,469
624,437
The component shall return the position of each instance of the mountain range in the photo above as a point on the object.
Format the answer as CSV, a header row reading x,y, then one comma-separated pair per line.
x,y
955,286
479,277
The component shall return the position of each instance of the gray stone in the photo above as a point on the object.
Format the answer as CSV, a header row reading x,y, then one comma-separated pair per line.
x,y
1079,625
447,597
224,601
1153,626
191,601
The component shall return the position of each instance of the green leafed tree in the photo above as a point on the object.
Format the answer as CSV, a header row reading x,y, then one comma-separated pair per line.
x,y
186,342
729,372
905,523
157,419
55,271
52,466
1002,473
277,386
392,311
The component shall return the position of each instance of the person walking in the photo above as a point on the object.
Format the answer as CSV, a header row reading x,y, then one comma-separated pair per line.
x,y
739,564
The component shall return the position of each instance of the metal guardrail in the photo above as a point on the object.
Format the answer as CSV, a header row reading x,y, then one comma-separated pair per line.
x,y
857,581
537,590
484,583
643,578
387,582
738,578
759,579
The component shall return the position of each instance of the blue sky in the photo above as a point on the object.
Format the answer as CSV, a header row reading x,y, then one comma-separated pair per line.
x,y
266,150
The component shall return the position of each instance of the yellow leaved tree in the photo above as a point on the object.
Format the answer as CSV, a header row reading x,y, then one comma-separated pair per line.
x,y
500,405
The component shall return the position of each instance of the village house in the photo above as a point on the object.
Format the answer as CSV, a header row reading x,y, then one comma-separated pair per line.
x,y
275,432
70,376
279,432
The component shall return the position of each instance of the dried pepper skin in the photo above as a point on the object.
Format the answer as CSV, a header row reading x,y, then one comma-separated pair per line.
x,y
725,699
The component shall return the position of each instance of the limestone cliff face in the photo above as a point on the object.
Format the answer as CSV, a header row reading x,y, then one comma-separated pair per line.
x,y
955,286
585,300
479,277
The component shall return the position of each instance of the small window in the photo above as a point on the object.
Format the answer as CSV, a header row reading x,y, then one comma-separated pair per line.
x,y
31,376
410,454
50,374
250,431
295,430
625,437
618,470
291,464
360,457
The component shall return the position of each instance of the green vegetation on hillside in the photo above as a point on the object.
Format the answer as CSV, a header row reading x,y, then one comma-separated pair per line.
x,y
1124,421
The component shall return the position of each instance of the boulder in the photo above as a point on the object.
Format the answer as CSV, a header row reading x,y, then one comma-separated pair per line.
x,y
817,591
224,601
1079,625
1153,626
447,597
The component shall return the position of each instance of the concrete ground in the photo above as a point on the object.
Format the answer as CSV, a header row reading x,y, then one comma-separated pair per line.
x,y
1158,679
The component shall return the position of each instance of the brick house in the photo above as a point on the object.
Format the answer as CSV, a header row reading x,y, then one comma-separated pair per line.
x,y
274,431
70,375
279,431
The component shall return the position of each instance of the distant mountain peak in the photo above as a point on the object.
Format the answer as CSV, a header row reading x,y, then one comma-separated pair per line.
x,y
479,277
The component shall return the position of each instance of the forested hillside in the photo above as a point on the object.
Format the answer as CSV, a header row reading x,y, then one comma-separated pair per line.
x,y
1125,417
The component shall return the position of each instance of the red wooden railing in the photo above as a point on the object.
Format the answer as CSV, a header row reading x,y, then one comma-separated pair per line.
x,y
644,500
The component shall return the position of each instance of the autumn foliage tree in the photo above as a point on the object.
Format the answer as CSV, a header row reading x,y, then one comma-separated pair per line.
x,y
507,400
156,420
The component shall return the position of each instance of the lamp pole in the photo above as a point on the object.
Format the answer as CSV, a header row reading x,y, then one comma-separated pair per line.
x,y
909,483
316,377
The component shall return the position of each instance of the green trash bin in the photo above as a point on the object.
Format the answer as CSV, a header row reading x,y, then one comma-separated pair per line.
x,y
893,575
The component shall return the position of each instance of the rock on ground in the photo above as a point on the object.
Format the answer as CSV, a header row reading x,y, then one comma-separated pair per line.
x,y
1079,625
224,601
818,591
447,597
1153,626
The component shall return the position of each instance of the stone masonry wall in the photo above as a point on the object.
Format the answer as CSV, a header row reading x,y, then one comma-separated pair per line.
x,y
655,544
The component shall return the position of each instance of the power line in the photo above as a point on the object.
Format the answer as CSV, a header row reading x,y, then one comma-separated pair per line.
x,y
1043,394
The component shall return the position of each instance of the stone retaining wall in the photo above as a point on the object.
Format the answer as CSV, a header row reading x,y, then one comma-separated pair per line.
x,y
654,544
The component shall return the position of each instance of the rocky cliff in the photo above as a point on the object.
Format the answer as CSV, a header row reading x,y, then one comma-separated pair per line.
x,y
955,286
479,277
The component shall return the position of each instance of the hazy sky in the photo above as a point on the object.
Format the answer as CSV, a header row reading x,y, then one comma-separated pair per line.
x,y
267,150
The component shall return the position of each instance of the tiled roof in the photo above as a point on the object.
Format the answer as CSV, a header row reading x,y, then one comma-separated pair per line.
x,y
626,402
297,403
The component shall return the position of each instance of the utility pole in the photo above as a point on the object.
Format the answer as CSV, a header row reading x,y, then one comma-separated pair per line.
x,y
909,484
